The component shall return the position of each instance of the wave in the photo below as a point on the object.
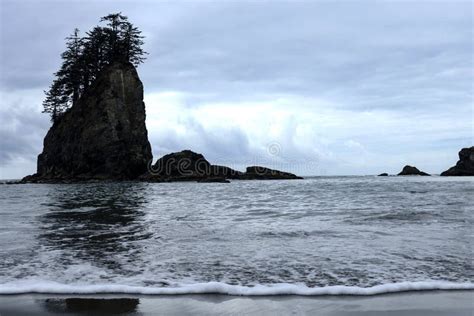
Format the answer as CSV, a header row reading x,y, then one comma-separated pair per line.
x,y
227,289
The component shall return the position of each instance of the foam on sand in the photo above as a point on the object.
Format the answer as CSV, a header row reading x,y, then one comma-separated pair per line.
x,y
47,287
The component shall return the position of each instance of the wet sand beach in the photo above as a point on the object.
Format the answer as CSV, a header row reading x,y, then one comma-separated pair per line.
x,y
409,303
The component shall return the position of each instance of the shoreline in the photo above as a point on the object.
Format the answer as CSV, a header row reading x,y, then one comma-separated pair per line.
x,y
431,302
220,288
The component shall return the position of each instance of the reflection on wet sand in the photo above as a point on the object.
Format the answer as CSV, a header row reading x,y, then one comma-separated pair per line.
x,y
410,303
95,223
90,305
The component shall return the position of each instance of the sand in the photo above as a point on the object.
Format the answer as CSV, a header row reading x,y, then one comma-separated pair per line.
x,y
408,303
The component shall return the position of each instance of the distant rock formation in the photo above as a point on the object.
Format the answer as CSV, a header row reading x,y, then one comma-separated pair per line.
x,y
412,171
190,166
465,164
103,136
383,174
261,173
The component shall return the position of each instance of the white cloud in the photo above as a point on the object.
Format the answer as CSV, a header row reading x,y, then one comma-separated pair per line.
x,y
305,130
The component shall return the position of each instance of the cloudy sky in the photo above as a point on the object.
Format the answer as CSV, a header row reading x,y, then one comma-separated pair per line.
x,y
317,88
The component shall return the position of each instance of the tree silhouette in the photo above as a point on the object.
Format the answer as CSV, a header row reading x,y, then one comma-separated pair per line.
x,y
132,42
84,58
95,55
56,100
124,40
115,22
70,72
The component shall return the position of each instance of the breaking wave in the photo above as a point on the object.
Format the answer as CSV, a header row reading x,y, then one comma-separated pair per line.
x,y
22,287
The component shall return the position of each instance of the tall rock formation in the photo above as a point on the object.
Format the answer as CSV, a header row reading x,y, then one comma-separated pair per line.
x,y
465,164
103,136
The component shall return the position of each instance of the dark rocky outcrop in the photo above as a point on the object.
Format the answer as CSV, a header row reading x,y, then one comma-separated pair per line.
x,y
226,172
103,136
383,174
465,164
187,165
262,173
412,171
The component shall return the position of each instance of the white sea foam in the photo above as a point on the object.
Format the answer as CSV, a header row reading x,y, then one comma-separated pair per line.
x,y
22,287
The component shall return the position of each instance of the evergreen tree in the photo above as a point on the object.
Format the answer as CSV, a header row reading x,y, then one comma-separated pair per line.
x,y
56,102
124,40
84,58
115,23
70,72
95,55
132,42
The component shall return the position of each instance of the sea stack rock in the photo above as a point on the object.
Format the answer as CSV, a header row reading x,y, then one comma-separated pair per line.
x,y
412,171
465,164
103,136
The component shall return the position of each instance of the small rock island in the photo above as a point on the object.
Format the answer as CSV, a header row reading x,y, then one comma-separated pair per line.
x,y
412,171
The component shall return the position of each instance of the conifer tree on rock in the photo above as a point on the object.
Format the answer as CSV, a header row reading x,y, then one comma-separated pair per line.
x,y
132,44
70,71
94,57
56,100
84,58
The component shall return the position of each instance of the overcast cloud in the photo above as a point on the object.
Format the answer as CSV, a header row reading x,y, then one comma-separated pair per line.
x,y
322,87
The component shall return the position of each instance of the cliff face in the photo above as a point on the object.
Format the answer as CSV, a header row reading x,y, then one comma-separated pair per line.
x,y
465,164
103,136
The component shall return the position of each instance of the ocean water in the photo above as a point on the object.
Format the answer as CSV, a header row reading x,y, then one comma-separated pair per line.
x,y
322,235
